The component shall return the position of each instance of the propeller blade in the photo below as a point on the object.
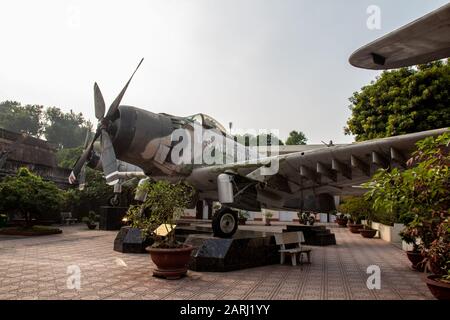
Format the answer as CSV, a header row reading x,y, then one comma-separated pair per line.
x,y
82,179
99,103
108,159
115,105
88,135
82,160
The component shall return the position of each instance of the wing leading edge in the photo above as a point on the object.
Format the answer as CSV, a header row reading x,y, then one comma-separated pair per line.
x,y
422,41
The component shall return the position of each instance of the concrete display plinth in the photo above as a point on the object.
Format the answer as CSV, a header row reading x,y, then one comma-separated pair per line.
x,y
131,240
111,217
247,249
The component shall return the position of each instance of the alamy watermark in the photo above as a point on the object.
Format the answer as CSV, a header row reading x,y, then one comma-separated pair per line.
x,y
73,281
199,146
374,20
374,280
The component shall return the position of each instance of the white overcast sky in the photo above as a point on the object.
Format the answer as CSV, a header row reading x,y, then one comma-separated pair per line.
x,y
280,64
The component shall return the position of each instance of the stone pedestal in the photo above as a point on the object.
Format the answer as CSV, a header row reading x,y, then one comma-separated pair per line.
x,y
247,249
111,217
130,240
314,235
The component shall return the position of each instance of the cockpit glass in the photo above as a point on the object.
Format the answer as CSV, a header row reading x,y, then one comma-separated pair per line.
x,y
207,122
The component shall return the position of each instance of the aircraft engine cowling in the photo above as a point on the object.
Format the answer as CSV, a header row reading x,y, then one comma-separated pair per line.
x,y
138,136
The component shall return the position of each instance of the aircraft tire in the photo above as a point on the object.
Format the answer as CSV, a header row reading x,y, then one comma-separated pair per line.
x,y
114,201
225,223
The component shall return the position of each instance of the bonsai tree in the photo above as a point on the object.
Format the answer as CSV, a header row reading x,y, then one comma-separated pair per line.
x,y
409,236
30,196
268,215
163,204
91,220
355,207
243,216
306,218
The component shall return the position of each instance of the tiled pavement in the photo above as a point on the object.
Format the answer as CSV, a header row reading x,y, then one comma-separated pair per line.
x,y
36,268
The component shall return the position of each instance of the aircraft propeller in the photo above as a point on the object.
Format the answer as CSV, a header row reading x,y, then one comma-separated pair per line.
x,y
108,156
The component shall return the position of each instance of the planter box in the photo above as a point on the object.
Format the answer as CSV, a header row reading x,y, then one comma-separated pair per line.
x,y
389,234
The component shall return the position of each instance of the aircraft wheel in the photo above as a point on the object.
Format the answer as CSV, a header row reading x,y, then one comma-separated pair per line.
x,y
114,201
225,223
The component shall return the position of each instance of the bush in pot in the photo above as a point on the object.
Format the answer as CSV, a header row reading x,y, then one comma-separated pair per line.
x,y
408,235
357,208
243,217
268,215
163,204
306,218
342,219
438,262
91,220
367,231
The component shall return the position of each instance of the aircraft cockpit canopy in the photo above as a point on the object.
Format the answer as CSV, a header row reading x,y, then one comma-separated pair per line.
x,y
207,122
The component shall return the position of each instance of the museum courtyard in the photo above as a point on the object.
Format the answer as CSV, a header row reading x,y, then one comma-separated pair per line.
x,y
39,268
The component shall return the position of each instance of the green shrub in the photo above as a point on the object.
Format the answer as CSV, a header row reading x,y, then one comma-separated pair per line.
x,y
30,196
164,203
357,207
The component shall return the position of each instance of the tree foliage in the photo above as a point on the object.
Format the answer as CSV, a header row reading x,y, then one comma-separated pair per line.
x,y
357,207
67,157
67,130
18,118
30,196
296,138
402,101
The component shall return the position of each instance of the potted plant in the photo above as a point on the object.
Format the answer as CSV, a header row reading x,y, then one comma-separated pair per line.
x,y
91,220
268,215
408,235
243,217
155,216
306,218
356,208
367,231
341,219
437,257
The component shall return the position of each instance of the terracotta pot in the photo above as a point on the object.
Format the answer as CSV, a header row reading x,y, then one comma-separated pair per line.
x,y
416,258
171,263
92,226
368,233
354,228
342,222
439,289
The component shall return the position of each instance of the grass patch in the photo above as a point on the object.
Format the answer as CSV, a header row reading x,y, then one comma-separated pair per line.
x,y
30,231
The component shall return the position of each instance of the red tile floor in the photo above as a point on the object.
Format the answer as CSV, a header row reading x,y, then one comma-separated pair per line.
x,y
36,268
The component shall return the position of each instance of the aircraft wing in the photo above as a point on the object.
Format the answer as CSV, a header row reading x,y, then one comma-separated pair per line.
x,y
424,40
338,170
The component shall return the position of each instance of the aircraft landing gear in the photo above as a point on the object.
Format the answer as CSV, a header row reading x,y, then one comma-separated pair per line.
x,y
114,201
225,223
